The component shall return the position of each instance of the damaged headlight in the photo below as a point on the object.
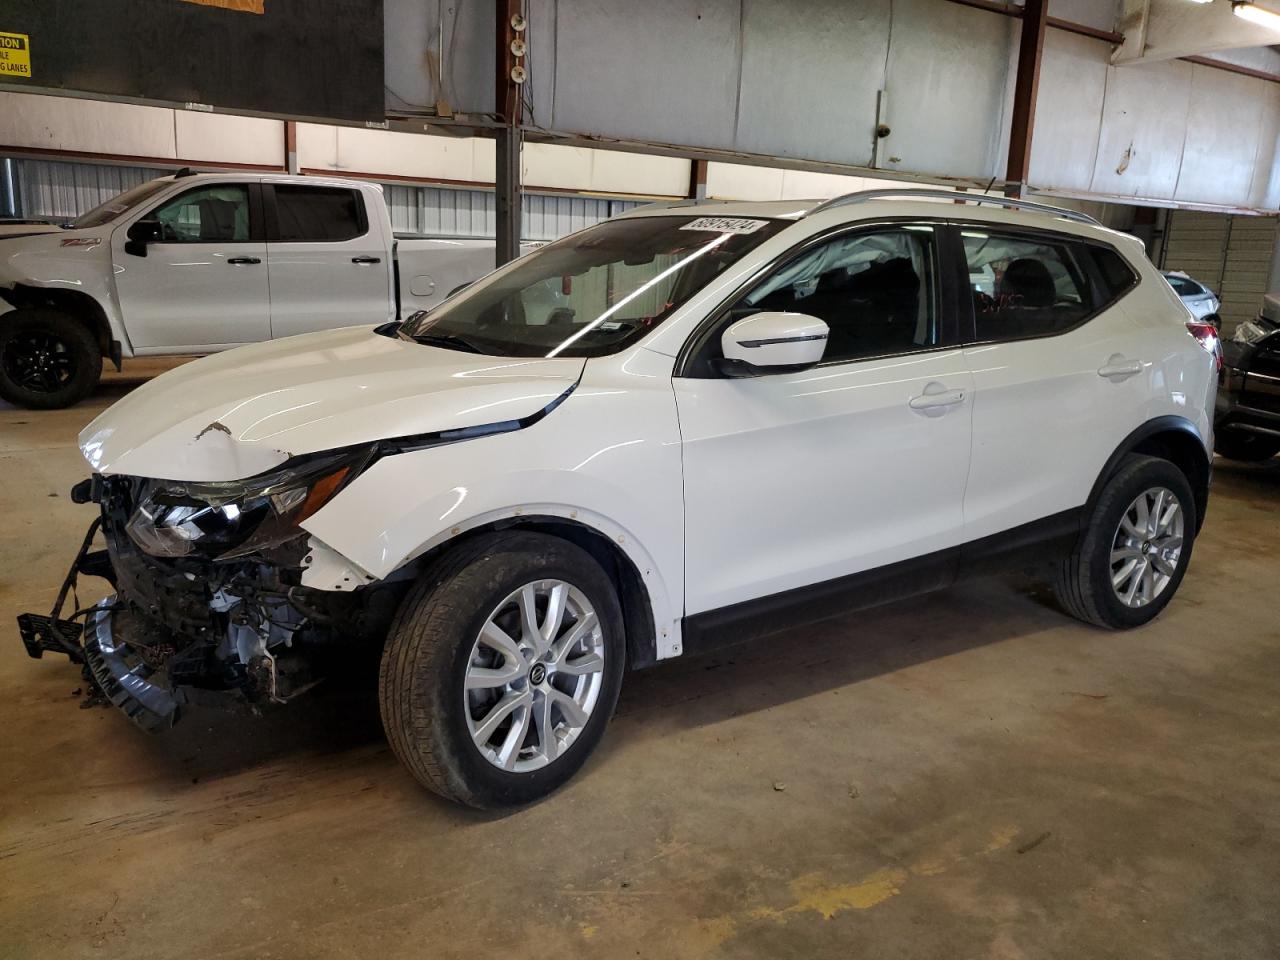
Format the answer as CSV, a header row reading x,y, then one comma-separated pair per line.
x,y
227,520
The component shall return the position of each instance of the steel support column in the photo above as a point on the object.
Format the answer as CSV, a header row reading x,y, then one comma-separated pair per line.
x,y
506,183
1026,85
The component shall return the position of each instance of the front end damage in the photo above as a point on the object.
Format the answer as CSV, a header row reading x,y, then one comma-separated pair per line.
x,y
210,605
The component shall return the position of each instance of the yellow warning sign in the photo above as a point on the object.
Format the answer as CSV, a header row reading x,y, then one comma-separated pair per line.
x,y
15,55
247,6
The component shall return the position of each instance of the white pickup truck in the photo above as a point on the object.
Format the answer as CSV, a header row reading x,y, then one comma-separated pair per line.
x,y
202,262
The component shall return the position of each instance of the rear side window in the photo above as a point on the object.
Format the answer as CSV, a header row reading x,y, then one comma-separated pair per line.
x,y
318,214
1025,286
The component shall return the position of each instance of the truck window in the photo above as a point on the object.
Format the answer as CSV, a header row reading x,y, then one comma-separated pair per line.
x,y
318,214
214,213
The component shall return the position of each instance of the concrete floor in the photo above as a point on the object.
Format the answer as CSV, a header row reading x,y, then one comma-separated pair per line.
x,y
967,775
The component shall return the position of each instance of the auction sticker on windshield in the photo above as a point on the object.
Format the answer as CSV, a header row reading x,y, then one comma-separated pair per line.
x,y
725,225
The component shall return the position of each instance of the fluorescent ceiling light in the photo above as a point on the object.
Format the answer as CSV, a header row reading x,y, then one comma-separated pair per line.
x,y
1202,1
1256,14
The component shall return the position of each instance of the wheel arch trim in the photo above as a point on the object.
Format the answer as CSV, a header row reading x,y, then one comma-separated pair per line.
x,y
1149,438
652,618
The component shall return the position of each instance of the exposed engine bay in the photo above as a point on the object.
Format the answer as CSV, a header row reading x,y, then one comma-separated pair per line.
x,y
209,605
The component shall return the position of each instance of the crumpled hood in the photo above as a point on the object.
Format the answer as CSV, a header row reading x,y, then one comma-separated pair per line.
x,y
239,413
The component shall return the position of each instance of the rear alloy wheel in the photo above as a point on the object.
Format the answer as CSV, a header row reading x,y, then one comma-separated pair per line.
x,y
1135,548
502,668
47,359
1245,447
1147,547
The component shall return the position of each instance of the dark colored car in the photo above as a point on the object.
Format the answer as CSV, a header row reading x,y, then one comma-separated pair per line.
x,y
1247,420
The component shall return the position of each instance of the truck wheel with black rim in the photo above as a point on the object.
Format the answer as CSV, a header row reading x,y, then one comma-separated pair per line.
x,y
1245,447
502,669
1132,556
48,359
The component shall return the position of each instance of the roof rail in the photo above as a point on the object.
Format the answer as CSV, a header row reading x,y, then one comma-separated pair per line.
x,y
958,196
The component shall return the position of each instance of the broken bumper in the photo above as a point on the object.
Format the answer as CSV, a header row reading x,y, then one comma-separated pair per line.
x,y
122,678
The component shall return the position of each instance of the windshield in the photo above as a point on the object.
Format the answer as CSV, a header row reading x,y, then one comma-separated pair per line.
x,y
594,292
106,212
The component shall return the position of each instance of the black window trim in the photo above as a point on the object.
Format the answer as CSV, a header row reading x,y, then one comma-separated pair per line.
x,y
257,227
968,319
272,218
947,304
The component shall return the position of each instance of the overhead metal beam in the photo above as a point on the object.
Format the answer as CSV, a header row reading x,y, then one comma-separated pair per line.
x,y
1026,86
506,184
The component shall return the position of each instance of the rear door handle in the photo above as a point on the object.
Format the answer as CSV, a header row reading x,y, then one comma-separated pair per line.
x,y
366,259
937,399
1117,368
238,261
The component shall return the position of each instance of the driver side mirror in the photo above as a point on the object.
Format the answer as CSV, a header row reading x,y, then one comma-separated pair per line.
x,y
772,343
140,233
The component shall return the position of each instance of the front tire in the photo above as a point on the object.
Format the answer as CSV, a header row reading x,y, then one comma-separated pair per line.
x,y
48,359
502,669
1128,563
1245,447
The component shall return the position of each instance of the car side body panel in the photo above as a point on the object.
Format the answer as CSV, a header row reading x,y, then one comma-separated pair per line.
x,y
608,458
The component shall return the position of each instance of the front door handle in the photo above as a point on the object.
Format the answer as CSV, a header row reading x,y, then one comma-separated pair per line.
x,y
238,261
1117,368
366,259
936,397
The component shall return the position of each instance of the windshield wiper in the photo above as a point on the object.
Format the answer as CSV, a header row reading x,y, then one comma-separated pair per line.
x,y
447,341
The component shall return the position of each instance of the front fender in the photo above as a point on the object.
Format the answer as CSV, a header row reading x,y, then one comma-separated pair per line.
x,y
607,459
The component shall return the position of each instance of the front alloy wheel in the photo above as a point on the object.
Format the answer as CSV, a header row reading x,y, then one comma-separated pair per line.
x,y
534,675
502,668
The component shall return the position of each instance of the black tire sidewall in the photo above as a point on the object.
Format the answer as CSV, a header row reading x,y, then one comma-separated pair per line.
x,y
1136,475
78,338
492,578
1245,447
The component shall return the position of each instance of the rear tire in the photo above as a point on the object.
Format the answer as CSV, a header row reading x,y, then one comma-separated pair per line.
x,y
1245,447
1096,582
443,677
48,359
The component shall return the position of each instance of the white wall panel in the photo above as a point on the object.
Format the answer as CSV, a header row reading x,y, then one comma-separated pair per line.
x,y
1065,145
947,83
665,70
613,171
1092,13
1144,125
1224,121
740,181
201,136
88,126
828,61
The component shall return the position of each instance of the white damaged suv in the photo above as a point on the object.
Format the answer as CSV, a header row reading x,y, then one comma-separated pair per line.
x,y
731,418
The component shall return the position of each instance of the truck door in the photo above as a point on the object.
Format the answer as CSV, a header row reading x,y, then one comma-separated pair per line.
x,y
328,262
203,284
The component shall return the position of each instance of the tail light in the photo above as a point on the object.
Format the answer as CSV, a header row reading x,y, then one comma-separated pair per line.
x,y
1207,335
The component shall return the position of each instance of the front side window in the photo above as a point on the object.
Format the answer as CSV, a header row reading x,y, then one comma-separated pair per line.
x,y
216,213
1024,286
875,291
594,292
318,214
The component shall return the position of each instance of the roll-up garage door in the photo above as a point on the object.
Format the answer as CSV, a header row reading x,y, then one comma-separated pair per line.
x,y
1230,255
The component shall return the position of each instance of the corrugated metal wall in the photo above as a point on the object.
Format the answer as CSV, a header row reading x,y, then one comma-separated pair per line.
x,y
1231,255
51,188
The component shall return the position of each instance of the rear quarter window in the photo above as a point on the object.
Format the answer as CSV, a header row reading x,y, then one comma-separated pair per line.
x,y
1117,277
